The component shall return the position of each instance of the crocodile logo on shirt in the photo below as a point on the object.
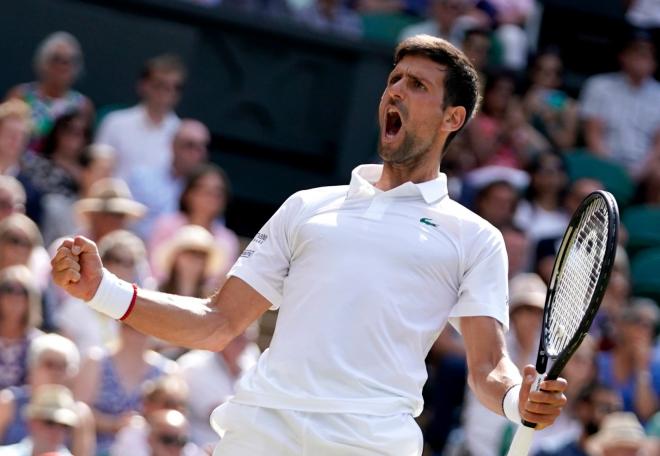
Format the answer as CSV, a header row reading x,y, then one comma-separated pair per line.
x,y
427,221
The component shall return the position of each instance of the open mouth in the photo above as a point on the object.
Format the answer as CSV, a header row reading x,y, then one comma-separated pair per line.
x,y
392,124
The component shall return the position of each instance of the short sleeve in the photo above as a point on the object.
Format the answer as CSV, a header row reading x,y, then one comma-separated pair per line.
x,y
484,287
592,99
264,264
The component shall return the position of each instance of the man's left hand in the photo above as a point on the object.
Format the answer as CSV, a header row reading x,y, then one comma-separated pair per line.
x,y
543,406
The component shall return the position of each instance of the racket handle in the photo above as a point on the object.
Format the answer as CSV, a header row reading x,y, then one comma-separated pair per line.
x,y
522,442
536,385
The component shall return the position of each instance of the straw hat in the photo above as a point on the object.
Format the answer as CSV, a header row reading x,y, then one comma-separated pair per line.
x,y
113,196
619,428
54,403
190,237
526,289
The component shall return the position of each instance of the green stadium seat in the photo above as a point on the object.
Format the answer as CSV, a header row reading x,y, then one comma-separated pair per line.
x,y
645,272
385,27
615,178
107,109
643,226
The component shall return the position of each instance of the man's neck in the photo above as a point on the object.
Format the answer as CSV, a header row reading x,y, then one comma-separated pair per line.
x,y
394,175
155,115
634,81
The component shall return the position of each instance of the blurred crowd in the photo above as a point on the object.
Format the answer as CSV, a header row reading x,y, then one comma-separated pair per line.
x,y
140,183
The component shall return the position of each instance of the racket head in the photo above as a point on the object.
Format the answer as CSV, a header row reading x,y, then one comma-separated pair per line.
x,y
584,242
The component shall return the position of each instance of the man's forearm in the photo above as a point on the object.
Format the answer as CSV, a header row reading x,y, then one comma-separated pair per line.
x,y
179,320
491,382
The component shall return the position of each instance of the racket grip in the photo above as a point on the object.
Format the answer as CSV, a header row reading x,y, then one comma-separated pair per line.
x,y
522,442
536,385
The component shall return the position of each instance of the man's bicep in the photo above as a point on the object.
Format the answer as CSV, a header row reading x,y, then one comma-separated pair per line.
x,y
239,304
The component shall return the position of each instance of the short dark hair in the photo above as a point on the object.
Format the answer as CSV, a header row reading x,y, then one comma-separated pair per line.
x,y
194,176
164,62
461,81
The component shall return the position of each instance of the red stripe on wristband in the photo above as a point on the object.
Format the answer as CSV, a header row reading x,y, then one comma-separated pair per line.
x,y
131,305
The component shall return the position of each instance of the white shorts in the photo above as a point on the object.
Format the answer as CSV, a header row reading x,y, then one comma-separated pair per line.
x,y
258,431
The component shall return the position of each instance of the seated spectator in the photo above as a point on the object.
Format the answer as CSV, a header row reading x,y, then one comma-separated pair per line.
x,y
51,415
211,378
191,260
511,17
592,404
12,196
620,434
20,316
14,130
517,247
550,110
142,135
633,366
21,243
95,162
160,189
58,62
648,191
124,255
497,203
111,383
109,207
541,213
621,111
331,16
168,393
57,168
448,19
52,360
203,202
476,46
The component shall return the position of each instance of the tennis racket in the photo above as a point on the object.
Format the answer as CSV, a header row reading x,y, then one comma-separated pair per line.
x,y
579,279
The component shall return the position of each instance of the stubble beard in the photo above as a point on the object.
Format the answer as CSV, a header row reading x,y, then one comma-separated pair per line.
x,y
410,152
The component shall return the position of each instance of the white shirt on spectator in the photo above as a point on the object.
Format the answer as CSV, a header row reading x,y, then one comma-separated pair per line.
x,y
133,440
86,327
365,280
209,384
431,27
138,141
644,13
158,189
631,115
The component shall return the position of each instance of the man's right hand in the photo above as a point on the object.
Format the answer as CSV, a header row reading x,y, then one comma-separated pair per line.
x,y
77,267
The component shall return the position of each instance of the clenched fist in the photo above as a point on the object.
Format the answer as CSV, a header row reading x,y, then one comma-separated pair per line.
x,y
77,267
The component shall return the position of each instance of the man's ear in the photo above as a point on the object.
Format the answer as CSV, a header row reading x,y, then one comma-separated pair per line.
x,y
454,118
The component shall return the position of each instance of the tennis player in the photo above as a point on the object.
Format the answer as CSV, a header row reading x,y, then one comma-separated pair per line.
x,y
365,277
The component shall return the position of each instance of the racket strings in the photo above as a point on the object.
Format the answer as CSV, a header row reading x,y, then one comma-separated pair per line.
x,y
577,279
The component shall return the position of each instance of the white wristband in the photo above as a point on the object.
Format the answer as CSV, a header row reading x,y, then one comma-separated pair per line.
x,y
510,404
113,297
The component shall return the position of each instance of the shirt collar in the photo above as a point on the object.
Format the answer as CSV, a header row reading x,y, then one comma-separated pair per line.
x,y
364,177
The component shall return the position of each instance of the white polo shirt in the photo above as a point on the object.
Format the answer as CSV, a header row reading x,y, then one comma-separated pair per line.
x,y
365,280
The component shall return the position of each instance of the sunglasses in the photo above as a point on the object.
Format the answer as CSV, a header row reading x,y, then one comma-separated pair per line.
x,y
118,260
12,289
173,440
60,59
17,241
52,424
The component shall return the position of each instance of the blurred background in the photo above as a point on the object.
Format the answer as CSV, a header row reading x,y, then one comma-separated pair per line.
x,y
170,130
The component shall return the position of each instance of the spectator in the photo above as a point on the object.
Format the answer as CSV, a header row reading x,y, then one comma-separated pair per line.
x,y
331,16
57,169
620,434
476,46
541,213
14,130
550,110
111,383
109,207
497,203
142,135
164,394
21,244
517,247
633,366
20,316
511,17
51,415
12,196
621,111
447,20
643,13
203,202
648,191
592,404
160,189
95,162
58,62
169,435
191,261
52,360
124,255
211,378
484,429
